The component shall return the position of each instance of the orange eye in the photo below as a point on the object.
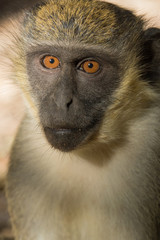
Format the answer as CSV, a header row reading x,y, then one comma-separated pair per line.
x,y
50,62
90,66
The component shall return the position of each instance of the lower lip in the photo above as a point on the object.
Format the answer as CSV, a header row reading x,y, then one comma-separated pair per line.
x,y
63,131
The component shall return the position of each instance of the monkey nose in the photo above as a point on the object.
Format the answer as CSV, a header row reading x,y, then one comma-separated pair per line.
x,y
63,102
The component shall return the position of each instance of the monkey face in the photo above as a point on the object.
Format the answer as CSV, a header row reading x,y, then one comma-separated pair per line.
x,y
72,87
84,70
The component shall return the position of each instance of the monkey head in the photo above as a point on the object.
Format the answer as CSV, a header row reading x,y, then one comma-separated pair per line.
x,y
84,64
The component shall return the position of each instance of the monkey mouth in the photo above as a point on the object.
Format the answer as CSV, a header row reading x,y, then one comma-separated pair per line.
x,y
65,139
63,131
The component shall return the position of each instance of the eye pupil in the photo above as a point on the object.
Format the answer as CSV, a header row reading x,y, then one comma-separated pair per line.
x,y
90,65
51,60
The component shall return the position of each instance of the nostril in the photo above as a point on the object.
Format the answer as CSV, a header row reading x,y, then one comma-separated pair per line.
x,y
69,103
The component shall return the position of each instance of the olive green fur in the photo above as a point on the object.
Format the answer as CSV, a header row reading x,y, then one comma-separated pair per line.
x,y
82,21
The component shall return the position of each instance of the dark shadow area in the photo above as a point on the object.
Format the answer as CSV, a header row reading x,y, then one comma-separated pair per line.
x,y
5,226
9,7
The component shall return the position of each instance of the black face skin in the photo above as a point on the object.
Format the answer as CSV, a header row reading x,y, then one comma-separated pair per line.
x,y
71,101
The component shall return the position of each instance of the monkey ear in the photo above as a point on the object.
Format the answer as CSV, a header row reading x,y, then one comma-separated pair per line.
x,y
152,36
152,33
152,49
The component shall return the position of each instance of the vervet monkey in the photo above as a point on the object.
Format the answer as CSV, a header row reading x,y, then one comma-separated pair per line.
x,y
85,164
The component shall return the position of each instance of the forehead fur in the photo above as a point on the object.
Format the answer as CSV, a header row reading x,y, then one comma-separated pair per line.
x,y
87,21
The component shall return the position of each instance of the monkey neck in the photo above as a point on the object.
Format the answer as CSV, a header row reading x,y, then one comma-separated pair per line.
x,y
73,183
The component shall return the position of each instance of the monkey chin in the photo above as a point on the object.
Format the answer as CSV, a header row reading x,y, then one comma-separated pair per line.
x,y
65,139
